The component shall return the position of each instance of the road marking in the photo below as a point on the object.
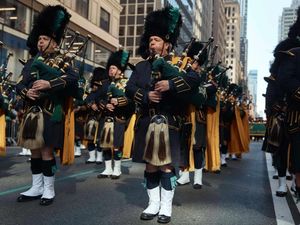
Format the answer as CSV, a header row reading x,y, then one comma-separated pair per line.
x,y
18,189
282,210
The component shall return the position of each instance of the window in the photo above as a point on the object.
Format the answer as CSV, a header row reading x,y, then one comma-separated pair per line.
x,y
122,20
16,19
140,19
82,7
130,30
131,1
122,31
123,10
130,20
122,41
137,40
131,9
149,8
139,30
101,54
140,9
129,41
104,19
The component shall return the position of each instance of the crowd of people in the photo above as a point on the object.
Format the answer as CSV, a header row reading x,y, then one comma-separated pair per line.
x,y
176,114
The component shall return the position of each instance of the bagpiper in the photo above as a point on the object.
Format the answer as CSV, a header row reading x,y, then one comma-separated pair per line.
x,y
289,80
157,136
45,88
117,109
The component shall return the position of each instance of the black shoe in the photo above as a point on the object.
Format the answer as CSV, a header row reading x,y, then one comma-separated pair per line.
x,y
224,165
197,186
103,176
163,219
147,216
46,201
114,177
275,177
89,162
25,198
217,171
281,194
98,163
290,177
179,184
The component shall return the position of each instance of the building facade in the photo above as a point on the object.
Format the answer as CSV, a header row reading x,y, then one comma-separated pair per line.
x,y
98,18
252,87
232,51
218,29
206,18
286,20
244,42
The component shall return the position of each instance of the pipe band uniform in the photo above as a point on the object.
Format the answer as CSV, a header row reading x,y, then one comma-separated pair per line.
x,y
158,111
48,89
117,111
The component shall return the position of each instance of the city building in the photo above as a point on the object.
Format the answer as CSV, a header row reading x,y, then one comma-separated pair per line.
x,y
244,42
132,22
232,34
97,18
286,20
206,15
218,29
252,87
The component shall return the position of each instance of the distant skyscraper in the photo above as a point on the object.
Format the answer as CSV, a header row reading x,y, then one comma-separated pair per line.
x,y
244,41
288,17
252,85
206,19
233,40
133,16
186,9
218,29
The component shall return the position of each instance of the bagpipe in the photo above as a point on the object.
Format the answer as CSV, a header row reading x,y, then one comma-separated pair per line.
x,y
7,86
55,65
179,67
116,89
157,149
50,67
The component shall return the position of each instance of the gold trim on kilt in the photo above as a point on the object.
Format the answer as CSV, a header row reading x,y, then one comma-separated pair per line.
x,y
2,133
67,155
239,133
212,156
128,137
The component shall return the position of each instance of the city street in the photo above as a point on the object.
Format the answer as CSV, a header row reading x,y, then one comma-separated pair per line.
x,y
240,195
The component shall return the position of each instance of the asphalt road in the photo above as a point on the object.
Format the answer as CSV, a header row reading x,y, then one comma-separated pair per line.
x,y
240,195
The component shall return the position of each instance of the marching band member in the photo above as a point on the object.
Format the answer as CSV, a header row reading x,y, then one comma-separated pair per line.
x,y
157,135
289,80
116,113
95,120
44,89
199,135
